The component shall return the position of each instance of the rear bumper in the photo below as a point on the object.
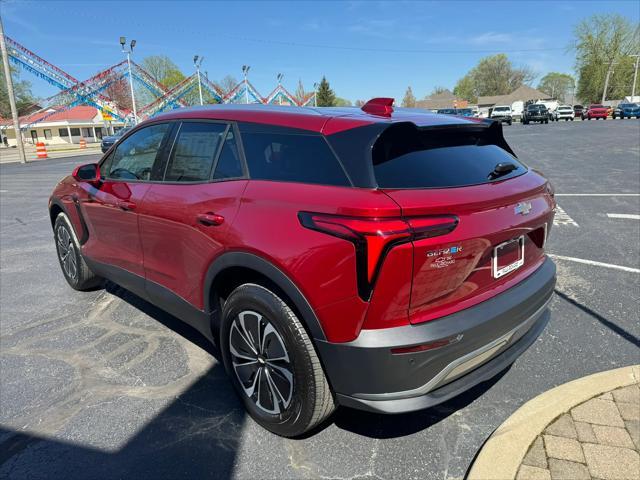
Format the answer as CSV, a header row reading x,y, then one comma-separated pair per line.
x,y
488,337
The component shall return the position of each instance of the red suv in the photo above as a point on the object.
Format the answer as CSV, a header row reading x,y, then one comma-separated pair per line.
x,y
378,259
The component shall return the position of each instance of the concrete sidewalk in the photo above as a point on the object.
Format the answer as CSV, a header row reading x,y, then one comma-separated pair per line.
x,y
585,429
10,155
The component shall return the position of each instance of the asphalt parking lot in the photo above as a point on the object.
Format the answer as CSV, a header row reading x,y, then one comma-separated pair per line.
x,y
104,385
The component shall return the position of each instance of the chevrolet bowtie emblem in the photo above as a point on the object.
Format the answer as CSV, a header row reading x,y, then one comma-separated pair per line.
x,y
522,208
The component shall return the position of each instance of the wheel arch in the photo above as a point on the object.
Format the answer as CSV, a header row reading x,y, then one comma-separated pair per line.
x,y
57,206
232,269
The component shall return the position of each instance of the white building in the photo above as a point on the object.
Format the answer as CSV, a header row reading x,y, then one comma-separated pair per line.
x,y
59,126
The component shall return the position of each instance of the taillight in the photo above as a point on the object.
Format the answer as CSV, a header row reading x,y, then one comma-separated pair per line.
x,y
374,237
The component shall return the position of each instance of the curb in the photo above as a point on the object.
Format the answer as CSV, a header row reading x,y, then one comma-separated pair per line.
x,y
503,452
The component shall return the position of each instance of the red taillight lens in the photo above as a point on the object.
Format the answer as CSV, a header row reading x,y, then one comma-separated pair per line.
x,y
374,237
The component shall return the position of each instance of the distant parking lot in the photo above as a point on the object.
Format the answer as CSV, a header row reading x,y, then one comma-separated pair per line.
x,y
103,384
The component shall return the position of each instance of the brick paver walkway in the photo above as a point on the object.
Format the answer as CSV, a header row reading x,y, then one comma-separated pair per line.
x,y
598,439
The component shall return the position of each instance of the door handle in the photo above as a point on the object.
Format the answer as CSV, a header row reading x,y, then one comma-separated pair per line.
x,y
210,219
125,205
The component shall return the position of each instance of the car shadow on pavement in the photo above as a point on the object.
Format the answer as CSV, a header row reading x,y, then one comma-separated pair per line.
x,y
604,321
195,434
381,426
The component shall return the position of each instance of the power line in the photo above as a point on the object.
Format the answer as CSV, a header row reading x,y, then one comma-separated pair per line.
x,y
384,50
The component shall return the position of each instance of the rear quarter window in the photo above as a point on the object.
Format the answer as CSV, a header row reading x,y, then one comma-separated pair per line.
x,y
412,158
290,156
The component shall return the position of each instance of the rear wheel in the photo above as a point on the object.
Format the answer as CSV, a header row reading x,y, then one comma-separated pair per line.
x,y
272,363
74,268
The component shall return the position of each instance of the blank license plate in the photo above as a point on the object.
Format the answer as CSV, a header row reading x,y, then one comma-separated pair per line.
x,y
508,256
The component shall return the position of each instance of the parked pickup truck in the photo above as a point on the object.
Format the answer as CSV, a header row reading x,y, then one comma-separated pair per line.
x,y
502,113
564,112
627,110
535,112
595,111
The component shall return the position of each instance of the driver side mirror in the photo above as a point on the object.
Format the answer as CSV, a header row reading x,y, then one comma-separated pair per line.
x,y
87,173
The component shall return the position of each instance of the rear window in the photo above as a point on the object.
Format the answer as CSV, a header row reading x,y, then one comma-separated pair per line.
x,y
405,157
291,157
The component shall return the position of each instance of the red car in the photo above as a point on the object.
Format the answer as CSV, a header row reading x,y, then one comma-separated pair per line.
x,y
377,259
595,111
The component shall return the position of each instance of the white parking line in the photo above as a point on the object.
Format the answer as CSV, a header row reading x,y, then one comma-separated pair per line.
x,y
563,218
596,264
597,194
630,216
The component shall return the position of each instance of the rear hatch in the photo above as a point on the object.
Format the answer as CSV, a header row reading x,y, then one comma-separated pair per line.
x,y
504,211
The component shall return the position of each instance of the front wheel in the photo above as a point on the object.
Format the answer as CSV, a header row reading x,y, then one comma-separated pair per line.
x,y
75,270
272,362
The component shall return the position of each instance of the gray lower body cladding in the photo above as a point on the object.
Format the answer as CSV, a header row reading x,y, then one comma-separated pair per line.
x,y
489,337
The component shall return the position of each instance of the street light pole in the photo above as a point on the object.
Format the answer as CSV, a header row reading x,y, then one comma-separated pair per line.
x,y
635,77
12,98
123,40
197,65
245,72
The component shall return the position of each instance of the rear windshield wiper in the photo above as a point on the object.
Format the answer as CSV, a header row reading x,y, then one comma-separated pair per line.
x,y
501,169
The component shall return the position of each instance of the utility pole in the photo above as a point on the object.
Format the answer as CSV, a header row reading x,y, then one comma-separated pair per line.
x,y
635,77
12,98
197,65
315,94
606,81
123,40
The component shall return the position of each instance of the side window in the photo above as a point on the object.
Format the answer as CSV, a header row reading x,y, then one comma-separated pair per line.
x,y
228,165
135,156
193,152
296,157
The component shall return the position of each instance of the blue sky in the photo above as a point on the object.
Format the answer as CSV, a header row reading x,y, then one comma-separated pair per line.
x,y
365,49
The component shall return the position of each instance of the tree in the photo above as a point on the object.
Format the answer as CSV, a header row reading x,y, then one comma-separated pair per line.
x,y
119,93
227,84
359,103
163,70
22,92
409,99
557,85
325,96
342,102
602,44
494,75
300,93
465,89
438,89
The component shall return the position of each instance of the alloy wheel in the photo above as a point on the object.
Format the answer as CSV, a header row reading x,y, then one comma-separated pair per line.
x,y
66,252
261,362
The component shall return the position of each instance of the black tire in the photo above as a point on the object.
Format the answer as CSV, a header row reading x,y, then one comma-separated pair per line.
x,y
75,270
572,119
546,121
509,122
309,398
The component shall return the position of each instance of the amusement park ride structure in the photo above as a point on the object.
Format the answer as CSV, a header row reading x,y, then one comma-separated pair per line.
x,y
94,90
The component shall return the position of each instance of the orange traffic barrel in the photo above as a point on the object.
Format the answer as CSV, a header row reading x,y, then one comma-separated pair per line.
x,y
83,143
41,150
